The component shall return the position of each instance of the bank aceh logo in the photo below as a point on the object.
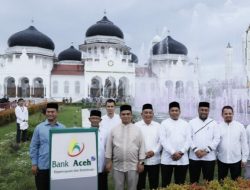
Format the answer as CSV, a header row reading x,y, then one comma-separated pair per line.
x,y
75,148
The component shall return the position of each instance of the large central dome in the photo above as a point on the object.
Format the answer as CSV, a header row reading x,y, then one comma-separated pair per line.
x,y
169,46
31,37
104,27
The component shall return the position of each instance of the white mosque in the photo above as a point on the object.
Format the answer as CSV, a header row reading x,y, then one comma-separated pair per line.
x,y
102,66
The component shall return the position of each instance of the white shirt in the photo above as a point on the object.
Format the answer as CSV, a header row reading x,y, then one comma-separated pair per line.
x,y
108,123
21,114
248,139
102,141
175,136
151,135
204,138
233,145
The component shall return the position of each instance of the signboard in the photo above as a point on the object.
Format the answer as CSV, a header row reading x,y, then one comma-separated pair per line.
x,y
73,159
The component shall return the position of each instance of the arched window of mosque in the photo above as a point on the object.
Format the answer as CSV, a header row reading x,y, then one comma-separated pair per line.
x,y
55,87
102,49
89,50
95,50
30,56
66,87
116,51
179,89
77,87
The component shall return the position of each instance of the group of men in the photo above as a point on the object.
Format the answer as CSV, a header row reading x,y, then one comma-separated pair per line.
x,y
174,146
132,151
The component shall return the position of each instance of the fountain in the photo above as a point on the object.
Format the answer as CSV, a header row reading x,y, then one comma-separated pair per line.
x,y
173,77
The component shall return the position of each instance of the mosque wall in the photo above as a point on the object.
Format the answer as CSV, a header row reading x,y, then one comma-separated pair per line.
x,y
26,75
66,86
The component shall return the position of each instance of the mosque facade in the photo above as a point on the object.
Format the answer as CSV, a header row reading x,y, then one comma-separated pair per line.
x,y
102,66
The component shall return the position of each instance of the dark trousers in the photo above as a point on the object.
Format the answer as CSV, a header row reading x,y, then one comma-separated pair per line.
x,y
103,181
20,133
180,172
198,166
42,180
153,177
223,168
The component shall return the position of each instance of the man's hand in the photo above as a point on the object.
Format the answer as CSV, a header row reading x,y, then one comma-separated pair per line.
x,y
109,166
34,169
176,156
204,153
243,164
140,168
199,153
150,154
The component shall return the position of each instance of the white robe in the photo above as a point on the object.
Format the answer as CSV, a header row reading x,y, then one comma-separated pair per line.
x,y
175,136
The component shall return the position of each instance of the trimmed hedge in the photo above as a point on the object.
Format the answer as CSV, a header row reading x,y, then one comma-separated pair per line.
x,y
8,116
227,184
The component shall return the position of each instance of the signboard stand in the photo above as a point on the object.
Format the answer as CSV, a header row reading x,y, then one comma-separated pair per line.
x,y
73,159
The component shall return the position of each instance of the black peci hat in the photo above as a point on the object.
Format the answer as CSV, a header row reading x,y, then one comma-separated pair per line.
x,y
95,113
125,107
147,106
174,104
52,105
204,104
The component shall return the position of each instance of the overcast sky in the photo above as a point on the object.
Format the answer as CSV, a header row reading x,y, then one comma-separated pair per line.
x,y
203,26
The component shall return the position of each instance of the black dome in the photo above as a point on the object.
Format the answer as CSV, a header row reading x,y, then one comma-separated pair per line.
x,y
169,46
104,27
71,54
31,37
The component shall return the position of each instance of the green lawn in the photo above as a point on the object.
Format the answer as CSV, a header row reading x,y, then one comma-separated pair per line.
x,y
70,116
15,165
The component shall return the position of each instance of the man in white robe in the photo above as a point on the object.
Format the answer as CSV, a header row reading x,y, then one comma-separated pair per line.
x,y
151,133
22,116
232,149
175,139
205,138
95,119
247,168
